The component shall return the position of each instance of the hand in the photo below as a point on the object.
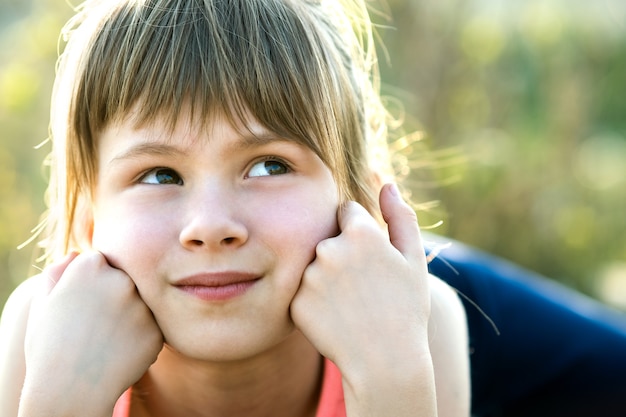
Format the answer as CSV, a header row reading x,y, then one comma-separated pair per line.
x,y
364,301
89,337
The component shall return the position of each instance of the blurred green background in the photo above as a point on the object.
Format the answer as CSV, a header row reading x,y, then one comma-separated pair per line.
x,y
521,105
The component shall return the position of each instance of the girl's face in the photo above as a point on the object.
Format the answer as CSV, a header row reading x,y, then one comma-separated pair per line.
x,y
214,226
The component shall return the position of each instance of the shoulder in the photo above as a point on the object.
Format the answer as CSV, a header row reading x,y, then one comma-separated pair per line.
x,y
448,340
19,302
12,333
446,307
16,310
448,323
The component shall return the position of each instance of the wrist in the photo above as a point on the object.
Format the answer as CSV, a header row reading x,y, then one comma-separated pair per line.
x,y
59,399
398,388
394,360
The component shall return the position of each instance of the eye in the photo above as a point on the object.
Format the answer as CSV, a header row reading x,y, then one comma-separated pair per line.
x,y
161,176
268,167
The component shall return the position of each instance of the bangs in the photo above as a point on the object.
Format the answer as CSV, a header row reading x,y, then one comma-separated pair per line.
x,y
236,57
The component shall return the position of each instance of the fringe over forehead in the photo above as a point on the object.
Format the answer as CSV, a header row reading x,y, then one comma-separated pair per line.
x,y
282,60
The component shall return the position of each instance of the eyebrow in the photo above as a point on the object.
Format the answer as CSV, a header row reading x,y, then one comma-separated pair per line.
x,y
257,139
148,149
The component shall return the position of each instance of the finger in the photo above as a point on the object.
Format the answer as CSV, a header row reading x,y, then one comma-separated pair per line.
x,y
353,212
55,270
401,220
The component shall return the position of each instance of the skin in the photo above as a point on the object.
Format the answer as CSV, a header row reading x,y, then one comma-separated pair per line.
x,y
227,215
170,207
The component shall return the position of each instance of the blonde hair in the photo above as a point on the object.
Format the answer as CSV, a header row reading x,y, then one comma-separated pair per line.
x,y
305,69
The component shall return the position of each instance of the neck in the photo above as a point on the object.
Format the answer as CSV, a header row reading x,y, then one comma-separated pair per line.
x,y
282,382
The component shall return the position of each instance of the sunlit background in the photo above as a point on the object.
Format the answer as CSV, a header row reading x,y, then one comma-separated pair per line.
x,y
521,106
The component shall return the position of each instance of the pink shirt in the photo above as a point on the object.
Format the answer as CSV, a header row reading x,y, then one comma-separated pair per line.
x,y
331,399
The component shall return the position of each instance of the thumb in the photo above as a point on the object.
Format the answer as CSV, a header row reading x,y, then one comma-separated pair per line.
x,y
54,271
402,225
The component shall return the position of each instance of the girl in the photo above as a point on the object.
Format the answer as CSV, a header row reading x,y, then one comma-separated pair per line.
x,y
214,234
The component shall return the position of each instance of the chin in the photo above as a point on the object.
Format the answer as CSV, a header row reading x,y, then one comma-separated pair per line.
x,y
227,348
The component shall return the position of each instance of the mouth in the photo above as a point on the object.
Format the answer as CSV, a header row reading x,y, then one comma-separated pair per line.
x,y
220,286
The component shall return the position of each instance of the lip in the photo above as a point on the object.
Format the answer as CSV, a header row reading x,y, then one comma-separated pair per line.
x,y
217,286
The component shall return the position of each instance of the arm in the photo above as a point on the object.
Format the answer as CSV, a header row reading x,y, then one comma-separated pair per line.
x,y
538,348
366,302
449,346
12,333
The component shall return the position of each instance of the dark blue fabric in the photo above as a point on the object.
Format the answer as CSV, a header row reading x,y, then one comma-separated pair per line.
x,y
555,352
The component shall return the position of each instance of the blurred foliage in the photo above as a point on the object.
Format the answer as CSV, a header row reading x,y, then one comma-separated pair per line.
x,y
521,105
532,94
29,31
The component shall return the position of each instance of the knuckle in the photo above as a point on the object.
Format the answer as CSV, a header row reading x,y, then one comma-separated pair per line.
x,y
363,229
127,287
90,259
406,211
409,216
360,223
324,247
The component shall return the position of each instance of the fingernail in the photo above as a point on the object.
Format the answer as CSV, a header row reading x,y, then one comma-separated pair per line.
x,y
393,189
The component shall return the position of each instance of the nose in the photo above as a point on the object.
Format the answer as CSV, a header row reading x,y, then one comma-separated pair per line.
x,y
211,221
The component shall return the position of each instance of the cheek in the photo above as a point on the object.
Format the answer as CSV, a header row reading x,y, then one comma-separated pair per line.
x,y
298,226
127,238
